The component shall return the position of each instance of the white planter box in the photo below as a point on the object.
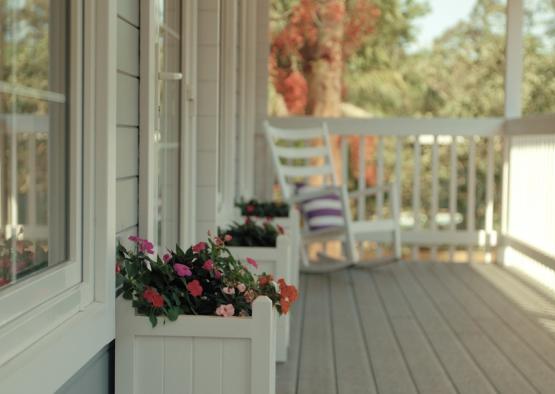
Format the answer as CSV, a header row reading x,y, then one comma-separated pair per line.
x,y
292,227
196,354
275,261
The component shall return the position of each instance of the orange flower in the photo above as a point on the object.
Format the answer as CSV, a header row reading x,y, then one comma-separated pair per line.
x,y
264,280
288,295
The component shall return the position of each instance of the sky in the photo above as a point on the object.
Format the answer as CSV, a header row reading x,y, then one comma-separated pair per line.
x,y
443,15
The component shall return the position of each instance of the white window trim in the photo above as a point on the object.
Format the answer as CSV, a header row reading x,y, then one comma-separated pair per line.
x,y
58,337
148,81
228,107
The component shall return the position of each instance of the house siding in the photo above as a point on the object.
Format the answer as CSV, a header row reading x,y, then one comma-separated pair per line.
x,y
97,376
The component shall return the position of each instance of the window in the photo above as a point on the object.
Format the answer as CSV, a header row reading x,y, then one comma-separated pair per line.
x,y
34,138
168,127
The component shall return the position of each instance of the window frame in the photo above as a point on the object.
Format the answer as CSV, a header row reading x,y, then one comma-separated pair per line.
x,y
148,121
47,341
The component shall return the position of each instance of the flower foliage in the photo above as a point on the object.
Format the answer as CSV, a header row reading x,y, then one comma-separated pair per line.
x,y
202,280
20,258
271,209
251,233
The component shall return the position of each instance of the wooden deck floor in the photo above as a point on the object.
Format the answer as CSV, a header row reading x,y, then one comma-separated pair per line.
x,y
420,328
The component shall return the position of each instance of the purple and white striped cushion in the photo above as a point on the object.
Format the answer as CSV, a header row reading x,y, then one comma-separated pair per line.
x,y
321,212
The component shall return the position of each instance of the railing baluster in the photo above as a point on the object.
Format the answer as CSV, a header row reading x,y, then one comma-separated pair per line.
x,y
453,192
380,182
416,194
489,200
398,166
361,176
345,161
435,191
471,193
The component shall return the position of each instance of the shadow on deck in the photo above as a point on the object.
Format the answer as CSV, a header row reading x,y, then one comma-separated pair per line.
x,y
420,328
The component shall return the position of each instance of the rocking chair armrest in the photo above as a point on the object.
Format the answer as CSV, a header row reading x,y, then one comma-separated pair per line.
x,y
387,187
320,192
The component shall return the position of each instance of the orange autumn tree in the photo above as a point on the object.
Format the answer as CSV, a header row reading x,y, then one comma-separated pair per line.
x,y
309,53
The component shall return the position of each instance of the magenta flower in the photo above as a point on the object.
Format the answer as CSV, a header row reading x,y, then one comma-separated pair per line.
x,y
182,270
252,262
167,257
225,310
217,274
199,247
144,245
208,265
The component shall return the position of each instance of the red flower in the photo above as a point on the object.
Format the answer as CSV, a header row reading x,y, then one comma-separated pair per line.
x,y
118,268
199,247
208,265
151,295
195,288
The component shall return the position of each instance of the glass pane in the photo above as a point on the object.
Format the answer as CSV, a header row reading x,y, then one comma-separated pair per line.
x,y
33,137
168,136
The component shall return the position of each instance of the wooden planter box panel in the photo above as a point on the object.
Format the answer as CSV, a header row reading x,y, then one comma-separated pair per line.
x,y
275,261
196,354
292,227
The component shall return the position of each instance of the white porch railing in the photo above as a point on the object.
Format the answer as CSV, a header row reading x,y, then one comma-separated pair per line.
x,y
451,196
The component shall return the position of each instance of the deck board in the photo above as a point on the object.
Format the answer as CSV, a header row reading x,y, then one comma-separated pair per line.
x,y
317,360
532,367
419,328
459,364
353,371
391,372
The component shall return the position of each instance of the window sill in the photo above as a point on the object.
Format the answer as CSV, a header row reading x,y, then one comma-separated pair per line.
x,y
45,365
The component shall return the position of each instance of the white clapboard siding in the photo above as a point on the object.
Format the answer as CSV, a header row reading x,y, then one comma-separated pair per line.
x,y
128,152
127,204
128,100
196,354
127,120
129,10
275,261
128,48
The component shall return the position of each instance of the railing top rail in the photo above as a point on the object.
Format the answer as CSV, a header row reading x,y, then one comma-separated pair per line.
x,y
397,126
531,125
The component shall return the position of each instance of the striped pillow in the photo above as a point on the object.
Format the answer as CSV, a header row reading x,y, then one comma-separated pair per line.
x,y
321,212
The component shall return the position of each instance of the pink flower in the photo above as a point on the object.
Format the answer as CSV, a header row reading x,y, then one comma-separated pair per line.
x,y
167,257
280,229
241,287
217,274
143,245
199,247
195,288
218,241
208,265
181,270
252,262
228,290
250,208
228,237
225,310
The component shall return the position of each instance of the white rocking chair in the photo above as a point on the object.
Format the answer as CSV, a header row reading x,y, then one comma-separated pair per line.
x,y
294,160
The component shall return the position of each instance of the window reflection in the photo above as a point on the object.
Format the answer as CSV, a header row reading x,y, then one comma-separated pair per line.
x,y
33,136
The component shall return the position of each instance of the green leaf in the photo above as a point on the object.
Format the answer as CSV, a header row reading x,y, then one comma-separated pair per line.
x,y
153,320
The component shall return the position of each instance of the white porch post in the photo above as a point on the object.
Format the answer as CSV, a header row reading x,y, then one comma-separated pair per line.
x,y
514,64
